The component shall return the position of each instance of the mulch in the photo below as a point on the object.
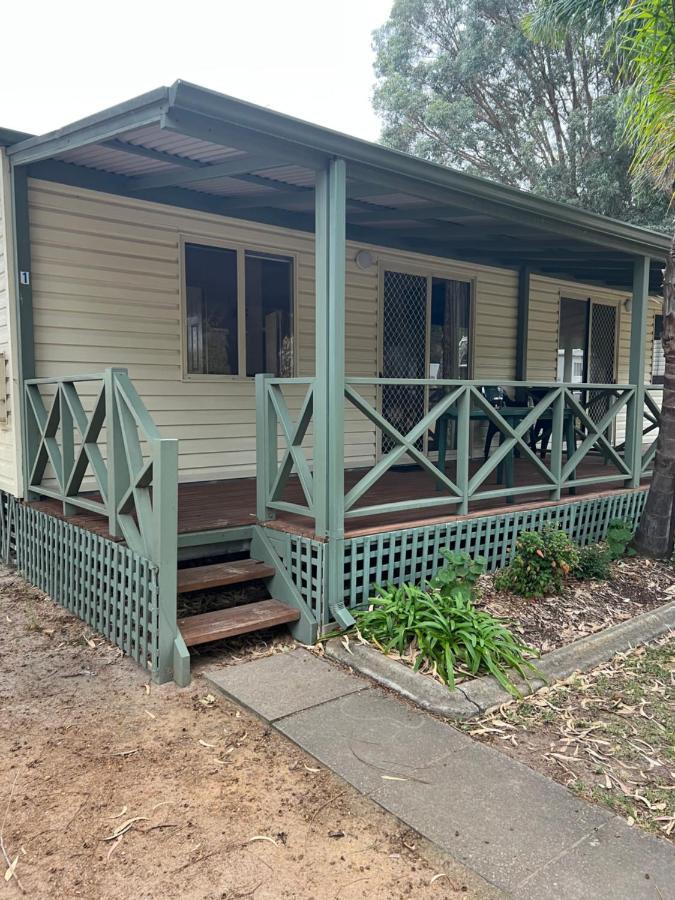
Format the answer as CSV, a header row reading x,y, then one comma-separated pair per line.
x,y
636,586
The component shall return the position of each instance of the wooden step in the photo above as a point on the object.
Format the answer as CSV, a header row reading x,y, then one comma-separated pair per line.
x,y
223,623
203,578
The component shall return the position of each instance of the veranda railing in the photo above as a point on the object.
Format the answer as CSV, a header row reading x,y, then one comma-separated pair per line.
x,y
91,444
582,419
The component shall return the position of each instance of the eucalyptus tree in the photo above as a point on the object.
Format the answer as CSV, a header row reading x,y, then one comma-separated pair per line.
x,y
639,39
461,83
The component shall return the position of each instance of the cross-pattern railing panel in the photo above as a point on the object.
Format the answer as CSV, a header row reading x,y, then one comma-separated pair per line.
x,y
275,421
651,422
554,410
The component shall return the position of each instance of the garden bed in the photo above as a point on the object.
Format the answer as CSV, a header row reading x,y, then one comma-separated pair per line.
x,y
636,585
608,735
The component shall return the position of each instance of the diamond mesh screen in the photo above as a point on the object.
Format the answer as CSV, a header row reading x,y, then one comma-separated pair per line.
x,y
403,351
601,358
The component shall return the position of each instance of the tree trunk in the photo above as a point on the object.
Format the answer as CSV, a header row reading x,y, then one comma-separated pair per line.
x,y
657,525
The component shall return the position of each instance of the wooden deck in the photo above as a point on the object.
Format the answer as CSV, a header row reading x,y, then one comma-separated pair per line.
x,y
217,505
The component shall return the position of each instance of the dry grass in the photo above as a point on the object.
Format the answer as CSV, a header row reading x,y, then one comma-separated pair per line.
x,y
608,735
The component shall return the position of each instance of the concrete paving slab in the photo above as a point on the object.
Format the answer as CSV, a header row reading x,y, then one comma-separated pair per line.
x,y
522,832
615,863
285,683
369,738
497,816
395,676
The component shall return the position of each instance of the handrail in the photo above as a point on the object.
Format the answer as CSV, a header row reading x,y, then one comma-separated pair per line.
x,y
107,442
487,382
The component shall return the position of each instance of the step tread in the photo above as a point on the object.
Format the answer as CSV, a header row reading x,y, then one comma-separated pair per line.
x,y
203,578
222,623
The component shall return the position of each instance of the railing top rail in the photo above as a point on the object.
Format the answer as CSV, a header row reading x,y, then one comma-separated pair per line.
x,y
275,379
61,379
489,382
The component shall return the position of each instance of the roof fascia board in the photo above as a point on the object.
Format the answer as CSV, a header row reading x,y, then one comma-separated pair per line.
x,y
8,137
103,126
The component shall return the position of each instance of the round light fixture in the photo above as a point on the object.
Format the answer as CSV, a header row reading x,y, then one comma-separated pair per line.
x,y
364,260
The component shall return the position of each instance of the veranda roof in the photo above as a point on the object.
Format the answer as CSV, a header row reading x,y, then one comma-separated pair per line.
x,y
195,148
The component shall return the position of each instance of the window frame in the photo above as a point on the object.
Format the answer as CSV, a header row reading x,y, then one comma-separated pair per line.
x,y
240,249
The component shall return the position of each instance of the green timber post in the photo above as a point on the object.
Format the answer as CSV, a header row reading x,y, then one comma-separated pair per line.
x,y
636,368
329,398
522,326
24,315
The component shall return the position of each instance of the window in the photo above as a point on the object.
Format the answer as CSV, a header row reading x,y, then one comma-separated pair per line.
x,y
269,313
658,359
235,298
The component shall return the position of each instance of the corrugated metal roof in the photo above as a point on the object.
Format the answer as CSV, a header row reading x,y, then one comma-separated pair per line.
x,y
176,125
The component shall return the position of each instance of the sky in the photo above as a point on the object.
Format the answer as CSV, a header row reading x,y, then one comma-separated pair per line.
x,y
309,58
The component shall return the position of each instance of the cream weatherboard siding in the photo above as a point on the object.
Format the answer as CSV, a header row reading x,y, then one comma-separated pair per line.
x,y
107,292
9,468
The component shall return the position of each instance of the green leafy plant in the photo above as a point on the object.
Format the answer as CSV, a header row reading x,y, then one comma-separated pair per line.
x,y
594,562
461,570
542,562
619,535
441,628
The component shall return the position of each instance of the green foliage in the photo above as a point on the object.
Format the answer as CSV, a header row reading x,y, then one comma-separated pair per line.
x,y
443,629
542,562
460,83
638,39
595,563
460,571
619,535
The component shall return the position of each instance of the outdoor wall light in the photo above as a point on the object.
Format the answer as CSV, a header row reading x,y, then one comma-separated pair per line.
x,y
628,304
364,259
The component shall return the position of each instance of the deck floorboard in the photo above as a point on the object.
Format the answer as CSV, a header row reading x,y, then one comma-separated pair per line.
x,y
231,503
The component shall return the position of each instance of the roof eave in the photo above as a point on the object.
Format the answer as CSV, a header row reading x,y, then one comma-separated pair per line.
x,y
143,110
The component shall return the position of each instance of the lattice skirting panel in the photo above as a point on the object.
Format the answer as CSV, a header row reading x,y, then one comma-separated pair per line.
x,y
112,589
303,559
414,554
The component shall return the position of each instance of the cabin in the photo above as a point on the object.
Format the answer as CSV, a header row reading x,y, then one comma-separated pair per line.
x,y
240,346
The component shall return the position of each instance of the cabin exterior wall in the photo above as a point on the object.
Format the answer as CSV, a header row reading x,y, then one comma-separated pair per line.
x,y
107,292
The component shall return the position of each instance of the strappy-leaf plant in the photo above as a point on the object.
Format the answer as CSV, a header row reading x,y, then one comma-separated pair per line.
x,y
441,629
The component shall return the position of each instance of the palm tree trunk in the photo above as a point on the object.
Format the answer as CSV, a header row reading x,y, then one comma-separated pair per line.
x,y
657,525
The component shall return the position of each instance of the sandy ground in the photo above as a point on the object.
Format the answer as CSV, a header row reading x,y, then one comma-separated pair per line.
x,y
111,787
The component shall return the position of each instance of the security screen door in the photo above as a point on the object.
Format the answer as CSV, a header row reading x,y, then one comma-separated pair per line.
x,y
404,330
425,334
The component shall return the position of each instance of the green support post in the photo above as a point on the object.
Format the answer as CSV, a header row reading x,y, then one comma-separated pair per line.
x,y
118,473
636,368
464,446
174,660
266,446
24,316
329,399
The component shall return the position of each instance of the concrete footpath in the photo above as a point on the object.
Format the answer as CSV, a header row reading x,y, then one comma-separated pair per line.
x,y
527,835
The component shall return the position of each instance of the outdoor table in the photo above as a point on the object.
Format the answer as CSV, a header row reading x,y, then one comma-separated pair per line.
x,y
512,415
